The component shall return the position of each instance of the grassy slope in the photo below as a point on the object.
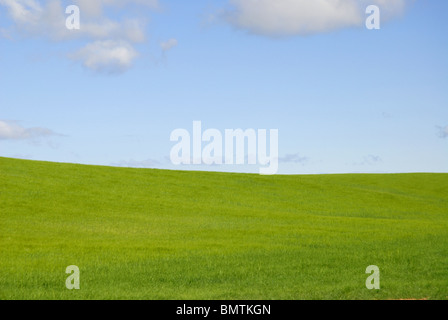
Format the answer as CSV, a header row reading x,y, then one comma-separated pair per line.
x,y
156,234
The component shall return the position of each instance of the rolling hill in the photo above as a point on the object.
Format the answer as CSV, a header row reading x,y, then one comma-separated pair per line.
x,y
160,234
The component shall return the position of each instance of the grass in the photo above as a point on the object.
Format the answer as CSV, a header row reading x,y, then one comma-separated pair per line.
x,y
159,234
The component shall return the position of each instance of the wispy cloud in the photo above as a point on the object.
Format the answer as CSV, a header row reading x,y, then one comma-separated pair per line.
x,y
303,17
4,33
442,132
168,45
148,163
96,7
369,160
293,158
10,130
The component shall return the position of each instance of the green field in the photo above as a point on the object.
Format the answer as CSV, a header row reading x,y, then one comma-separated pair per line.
x,y
160,234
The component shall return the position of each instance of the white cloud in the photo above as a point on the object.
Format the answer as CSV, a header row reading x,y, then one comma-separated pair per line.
x,y
148,3
106,56
94,8
112,37
23,11
12,131
169,44
49,21
303,17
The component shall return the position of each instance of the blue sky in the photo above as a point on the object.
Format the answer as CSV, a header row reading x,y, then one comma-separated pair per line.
x,y
344,98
